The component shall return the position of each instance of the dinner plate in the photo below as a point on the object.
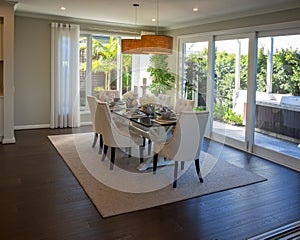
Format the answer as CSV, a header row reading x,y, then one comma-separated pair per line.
x,y
166,121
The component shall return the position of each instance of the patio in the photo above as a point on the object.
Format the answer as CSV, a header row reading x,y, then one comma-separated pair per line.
x,y
266,141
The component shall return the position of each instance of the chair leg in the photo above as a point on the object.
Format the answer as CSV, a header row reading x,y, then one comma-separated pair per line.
x,y
155,157
175,175
141,154
104,152
129,152
197,164
95,139
112,157
100,144
182,165
149,146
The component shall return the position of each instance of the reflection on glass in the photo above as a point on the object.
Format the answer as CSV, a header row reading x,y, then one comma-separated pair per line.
x,y
230,88
195,72
277,94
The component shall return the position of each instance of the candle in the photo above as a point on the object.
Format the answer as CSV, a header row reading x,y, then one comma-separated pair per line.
x,y
144,81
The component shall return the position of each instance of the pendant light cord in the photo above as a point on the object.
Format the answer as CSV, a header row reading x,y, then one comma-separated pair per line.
x,y
136,5
157,17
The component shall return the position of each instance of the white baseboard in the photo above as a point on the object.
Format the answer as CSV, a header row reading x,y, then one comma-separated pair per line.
x,y
8,141
37,126
24,127
85,123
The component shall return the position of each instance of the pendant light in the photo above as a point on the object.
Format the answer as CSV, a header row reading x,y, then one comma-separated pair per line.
x,y
157,44
132,46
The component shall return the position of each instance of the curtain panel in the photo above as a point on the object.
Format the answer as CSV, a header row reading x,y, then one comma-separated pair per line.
x,y
65,97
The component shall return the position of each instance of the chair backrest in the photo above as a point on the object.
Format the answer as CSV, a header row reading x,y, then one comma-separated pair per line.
x,y
105,124
164,100
92,102
104,95
102,118
186,141
184,105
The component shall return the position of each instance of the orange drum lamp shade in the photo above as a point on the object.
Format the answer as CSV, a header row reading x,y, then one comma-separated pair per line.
x,y
157,44
131,46
148,44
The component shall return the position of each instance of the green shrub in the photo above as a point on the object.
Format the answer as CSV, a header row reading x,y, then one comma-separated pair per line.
x,y
232,117
219,112
199,108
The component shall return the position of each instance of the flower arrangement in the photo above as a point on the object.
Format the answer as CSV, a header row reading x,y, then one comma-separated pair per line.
x,y
131,99
148,99
128,95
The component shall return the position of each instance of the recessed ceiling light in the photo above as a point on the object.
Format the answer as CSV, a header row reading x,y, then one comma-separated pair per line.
x,y
62,8
153,20
195,9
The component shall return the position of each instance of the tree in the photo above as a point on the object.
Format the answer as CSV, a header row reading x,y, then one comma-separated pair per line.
x,y
286,77
196,75
162,79
224,78
261,76
286,72
126,73
105,58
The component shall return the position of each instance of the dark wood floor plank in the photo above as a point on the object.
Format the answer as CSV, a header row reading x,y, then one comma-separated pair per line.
x,y
41,199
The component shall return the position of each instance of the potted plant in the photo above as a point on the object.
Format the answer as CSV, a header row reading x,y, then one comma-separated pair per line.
x,y
199,108
162,78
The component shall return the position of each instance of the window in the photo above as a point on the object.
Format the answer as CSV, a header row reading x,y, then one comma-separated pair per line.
x,y
102,67
194,80
278,94
98,65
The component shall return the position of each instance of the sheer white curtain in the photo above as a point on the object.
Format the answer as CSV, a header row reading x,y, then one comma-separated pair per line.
x,y
65,105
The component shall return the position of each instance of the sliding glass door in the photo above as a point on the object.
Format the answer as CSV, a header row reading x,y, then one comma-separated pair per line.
x,y
194,76
230,89
277,119
251,85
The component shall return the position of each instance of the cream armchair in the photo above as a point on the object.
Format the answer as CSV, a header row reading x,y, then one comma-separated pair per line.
x,y
164,100
92,101
184,105
104,95
112,136
185,143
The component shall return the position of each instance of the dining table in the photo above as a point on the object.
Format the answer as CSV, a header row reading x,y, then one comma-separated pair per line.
x,y
149,126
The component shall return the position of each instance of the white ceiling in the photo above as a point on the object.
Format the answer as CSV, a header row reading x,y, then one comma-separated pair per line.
x,y
172,13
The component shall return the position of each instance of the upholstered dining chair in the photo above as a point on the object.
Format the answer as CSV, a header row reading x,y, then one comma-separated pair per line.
x,y
185,143
184,105
164,100
92,102
105,94
112,136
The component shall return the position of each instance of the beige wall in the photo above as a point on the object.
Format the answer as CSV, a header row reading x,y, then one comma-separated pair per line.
x,y
32,71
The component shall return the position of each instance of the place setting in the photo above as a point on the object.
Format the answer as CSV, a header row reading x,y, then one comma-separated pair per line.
x,y
165,115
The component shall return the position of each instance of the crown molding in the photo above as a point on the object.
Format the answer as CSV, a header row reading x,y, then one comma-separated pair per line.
x,y
90,25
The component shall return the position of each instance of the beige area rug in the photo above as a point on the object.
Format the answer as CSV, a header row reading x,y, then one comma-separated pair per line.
x,y
125,189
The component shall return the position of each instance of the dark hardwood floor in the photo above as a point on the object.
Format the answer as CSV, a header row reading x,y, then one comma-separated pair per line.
x,y
41,199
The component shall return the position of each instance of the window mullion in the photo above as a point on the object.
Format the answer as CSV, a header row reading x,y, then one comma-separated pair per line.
x,y
89,66
251,92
